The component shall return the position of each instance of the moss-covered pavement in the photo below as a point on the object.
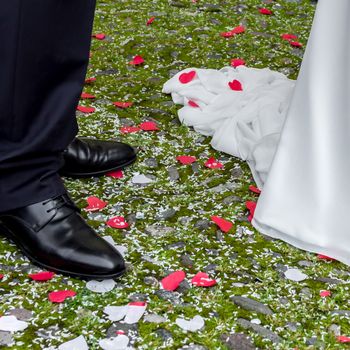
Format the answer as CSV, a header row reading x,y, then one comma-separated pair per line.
x,y
169,205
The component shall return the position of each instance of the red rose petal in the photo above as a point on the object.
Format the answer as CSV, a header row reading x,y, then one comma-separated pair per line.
x,y
1,276
238,30
186,159
193,104
42,276
100,36
116,174
123,104
137,303
201,279
325,257
117,222
251,207
185,78
212,163
148,126
296,43
172,281
137,60
325,293
265,11
61,295
84,109
235,85
254,189
288,37
95,204
90,80
85,95
343,339
227,34
223,224
235,62
129,129
150,21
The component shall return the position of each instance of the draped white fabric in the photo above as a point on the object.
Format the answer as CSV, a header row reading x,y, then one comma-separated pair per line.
x,y
295,135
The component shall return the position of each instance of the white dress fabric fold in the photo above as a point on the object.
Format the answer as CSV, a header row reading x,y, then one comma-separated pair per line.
x,y
295,135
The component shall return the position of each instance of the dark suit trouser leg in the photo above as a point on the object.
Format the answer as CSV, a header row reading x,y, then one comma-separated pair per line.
x,y
44,51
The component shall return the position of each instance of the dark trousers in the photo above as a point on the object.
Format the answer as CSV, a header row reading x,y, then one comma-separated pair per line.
x,y
44,52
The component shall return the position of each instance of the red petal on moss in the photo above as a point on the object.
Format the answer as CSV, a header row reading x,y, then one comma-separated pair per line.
x,y
150,21
148,126
288,37
123,104
238,30
172,281
95,204
61,295
186,159
99,36
90,80
137,60
227,34
235,62
296,43
117,222
325,293
343,339
212,163
85,96
325,257
116,174
42,276
223,224
254,189
201,279
251,207
265,11
87,110
129,129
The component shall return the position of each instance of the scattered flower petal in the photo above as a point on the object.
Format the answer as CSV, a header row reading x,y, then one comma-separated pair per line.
x,y
120,342
235,85
148,126
116,313
99,36
187,77
95,204
118,174
254,189
223,224
141,179
186,159
135,312
325,293
103,286
201,279
78,343
235,62
121,104
129,129
193,325
295,275
61,295
42,276
150,21
212,163
11,324
137,60
117,222
87,110
172,281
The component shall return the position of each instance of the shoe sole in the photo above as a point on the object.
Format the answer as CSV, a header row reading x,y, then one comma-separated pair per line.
x,y
8,234
98,173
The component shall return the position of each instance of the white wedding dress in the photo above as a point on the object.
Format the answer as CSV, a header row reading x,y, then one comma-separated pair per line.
x,y
295,135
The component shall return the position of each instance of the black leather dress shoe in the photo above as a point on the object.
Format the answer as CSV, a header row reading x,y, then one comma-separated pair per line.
x,y
87,157
54,236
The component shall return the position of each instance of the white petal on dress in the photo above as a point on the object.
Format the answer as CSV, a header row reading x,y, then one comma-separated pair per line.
x,y
295,135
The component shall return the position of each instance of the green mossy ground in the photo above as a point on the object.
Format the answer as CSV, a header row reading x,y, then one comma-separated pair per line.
x,y
184,34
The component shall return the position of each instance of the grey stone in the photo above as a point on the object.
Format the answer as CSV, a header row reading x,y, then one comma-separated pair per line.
x,y
164,334
202,224
169,296
186,260
21,314
305,263
251,305
334,329
138,297
159,231
151,281
231,199
236,173
153,318
129,329
166,214
193,347
292,326
328,280
210,268
151,162
173,173
341,312
176,245
5,338
262,331
237,341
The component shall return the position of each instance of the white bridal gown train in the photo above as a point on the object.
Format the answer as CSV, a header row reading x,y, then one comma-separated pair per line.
x,y
295,135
